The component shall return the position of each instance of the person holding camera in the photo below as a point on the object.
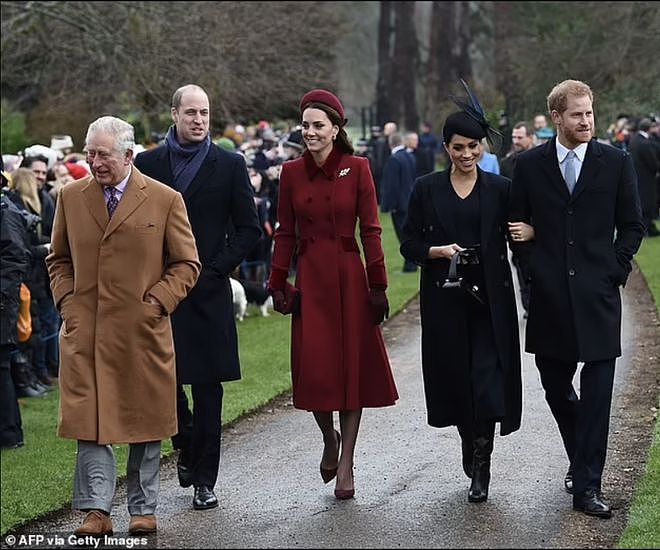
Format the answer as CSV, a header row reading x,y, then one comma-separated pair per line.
x,y
338,358
456,230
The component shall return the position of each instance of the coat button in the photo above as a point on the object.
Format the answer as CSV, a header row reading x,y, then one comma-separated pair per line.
x,y
327,197
312,239
309,199
571,242
570,211
502,256
437,283
571,272
310,219
506,284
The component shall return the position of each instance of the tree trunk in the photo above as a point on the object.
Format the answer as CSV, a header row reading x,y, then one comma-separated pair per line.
x,y
384,81
406,55
439,61
463,64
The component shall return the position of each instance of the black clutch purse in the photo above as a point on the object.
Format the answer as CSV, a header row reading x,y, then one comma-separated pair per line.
x,y
457,279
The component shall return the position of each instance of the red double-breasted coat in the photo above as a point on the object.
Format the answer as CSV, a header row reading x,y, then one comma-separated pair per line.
x,y
338,358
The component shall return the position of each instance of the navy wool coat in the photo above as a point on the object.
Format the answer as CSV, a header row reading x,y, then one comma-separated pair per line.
x,y
582,251
223,217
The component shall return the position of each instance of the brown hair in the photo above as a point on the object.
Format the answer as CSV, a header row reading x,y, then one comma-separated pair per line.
x,y
342,141
529,129
558,96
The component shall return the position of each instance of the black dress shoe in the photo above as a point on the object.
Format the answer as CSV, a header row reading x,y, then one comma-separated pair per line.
x,y
591,503
204,498
568,482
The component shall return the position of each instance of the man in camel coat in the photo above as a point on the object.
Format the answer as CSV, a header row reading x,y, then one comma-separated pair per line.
x,y
123,256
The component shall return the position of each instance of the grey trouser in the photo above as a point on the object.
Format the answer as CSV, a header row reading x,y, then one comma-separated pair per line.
x,y
96,476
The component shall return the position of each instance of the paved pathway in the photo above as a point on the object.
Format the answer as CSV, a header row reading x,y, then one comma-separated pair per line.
x,y
410,489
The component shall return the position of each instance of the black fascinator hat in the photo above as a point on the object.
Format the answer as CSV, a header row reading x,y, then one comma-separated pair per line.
x,y
470,121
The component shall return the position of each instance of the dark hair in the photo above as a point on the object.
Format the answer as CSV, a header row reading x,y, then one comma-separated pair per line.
x,y
342,141
27,162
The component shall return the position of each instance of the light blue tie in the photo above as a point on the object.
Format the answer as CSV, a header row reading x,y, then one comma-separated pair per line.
x,y
569,171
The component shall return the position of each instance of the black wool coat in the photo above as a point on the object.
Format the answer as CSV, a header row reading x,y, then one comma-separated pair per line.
x,y
223,217
445,347
582,252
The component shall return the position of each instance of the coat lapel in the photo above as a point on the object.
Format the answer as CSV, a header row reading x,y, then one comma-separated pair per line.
x,y
133,197
590,168
488,201
550,167
203,174
93,195
440,195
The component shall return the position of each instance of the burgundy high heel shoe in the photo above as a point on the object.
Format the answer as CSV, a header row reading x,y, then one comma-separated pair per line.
x,y
345,494
328,474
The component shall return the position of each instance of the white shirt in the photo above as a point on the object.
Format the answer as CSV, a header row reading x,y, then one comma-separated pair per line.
x,y
580,151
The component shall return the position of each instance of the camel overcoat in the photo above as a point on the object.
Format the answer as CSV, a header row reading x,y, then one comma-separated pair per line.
x,y
117,371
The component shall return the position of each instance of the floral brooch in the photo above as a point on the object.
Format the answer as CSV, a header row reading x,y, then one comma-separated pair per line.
x,y
344,172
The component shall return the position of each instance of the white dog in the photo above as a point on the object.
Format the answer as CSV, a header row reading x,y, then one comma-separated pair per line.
x,y
240,300
249,292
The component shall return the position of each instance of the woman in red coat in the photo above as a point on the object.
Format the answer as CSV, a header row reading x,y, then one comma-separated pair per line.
x,y
338,358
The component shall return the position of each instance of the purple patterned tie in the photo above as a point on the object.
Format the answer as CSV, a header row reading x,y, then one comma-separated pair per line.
x,y
113,201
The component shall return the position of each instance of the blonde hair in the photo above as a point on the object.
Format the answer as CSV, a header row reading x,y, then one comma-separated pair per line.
x,y
25,183
558,96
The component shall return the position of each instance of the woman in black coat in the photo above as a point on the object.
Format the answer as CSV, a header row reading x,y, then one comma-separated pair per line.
x,y
470,345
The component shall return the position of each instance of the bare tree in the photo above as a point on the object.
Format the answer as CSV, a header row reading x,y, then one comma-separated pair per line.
x,y
87,58
404,66
384,107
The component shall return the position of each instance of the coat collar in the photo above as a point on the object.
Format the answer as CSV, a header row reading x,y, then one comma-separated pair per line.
x,y
590,168
441,196
133,196
329,168
163,170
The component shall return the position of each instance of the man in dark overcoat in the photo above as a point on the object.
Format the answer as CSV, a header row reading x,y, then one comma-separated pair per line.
x,y
647,165
219,198
581,197
396,184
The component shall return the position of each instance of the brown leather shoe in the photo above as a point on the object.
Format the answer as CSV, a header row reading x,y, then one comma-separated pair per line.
x,y
95,523
142,525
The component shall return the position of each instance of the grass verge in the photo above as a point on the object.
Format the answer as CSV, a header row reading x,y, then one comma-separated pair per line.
x,y
643,528
38,478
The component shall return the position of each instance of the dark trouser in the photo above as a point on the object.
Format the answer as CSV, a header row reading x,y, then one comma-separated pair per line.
x,y
48,348
583,422
398,219
11,432
199,431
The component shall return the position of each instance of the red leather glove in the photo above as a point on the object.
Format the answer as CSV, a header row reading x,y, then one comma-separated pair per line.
x,y
380,307
286,301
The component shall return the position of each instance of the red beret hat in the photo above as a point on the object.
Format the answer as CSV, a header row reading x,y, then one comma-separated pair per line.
x,y
322,96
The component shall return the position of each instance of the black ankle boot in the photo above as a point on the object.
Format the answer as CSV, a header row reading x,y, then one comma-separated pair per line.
x,y
467,448
483,448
